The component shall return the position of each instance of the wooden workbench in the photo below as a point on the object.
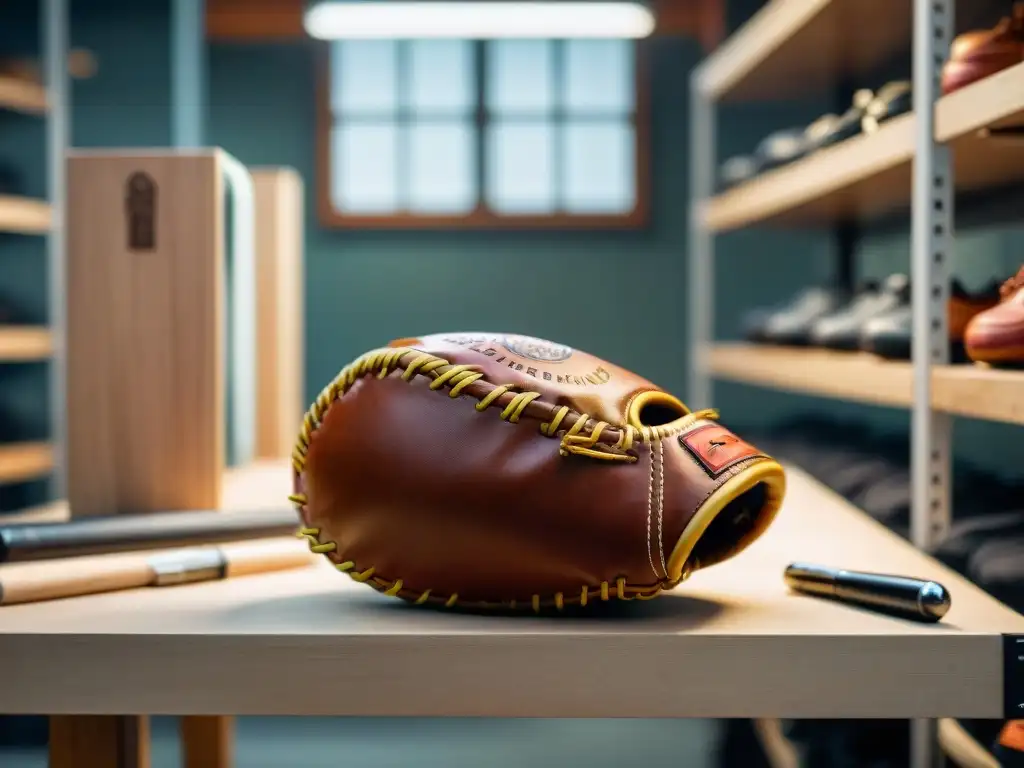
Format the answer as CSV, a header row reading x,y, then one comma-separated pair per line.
x,y
730,642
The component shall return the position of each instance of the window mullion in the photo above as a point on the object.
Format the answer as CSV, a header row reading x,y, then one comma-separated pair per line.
x,y
557,118
403,118
481,118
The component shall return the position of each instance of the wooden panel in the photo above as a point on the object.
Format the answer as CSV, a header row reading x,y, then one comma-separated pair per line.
x,y
146,390
764,651
207,742
250,20
280,334
99,741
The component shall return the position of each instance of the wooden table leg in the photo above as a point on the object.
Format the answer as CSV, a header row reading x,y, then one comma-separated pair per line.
x,y
207,741
99,741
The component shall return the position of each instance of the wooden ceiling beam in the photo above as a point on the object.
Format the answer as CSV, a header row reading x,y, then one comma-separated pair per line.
x,y
279,20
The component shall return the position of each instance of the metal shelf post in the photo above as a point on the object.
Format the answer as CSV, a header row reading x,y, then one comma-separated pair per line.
x,y
700,286
931,253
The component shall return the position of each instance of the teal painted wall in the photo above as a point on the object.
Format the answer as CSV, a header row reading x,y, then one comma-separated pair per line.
x,y
620,295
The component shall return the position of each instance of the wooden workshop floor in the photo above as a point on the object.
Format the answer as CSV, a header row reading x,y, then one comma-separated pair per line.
x,y
329,743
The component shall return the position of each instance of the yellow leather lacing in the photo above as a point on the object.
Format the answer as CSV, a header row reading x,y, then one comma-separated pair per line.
x,y
604,591
382,362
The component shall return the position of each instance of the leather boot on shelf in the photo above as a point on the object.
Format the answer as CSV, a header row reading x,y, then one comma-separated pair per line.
x,y
890,335
996,336
977,54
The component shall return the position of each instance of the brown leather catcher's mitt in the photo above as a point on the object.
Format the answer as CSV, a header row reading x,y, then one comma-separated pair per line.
x,y
493,470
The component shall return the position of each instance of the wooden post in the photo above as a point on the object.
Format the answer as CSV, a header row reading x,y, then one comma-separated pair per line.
x,y
99,741
207,742
145,341
280,358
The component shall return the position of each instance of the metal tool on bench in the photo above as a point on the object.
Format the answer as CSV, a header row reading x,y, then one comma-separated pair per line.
x,y
122,533
911,598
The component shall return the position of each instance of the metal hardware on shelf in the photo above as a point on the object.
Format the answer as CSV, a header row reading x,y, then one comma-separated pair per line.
x,y
700,286
1013,677
931,254
54,44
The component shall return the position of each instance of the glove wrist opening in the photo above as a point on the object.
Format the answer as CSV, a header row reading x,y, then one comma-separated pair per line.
x,y
654,409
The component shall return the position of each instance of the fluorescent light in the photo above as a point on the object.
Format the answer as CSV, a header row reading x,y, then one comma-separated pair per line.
x,y
368,19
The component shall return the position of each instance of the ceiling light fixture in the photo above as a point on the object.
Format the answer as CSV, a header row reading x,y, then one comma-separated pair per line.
x,y
461,19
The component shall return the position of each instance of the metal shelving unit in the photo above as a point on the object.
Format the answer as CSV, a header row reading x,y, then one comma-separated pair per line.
x,y
905,166
43,217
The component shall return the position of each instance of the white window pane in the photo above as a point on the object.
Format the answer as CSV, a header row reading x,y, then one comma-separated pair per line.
x,y
364,76
599,76
364,168
520,163
441,76
442,168
599,167
520,76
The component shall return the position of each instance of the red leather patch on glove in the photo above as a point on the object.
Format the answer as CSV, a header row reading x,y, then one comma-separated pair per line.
x,y
717,448
1012,736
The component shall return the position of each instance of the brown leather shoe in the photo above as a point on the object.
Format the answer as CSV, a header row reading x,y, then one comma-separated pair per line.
x,y
977,54
891,335
996,336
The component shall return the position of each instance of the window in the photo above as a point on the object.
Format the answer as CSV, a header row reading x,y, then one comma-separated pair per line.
x,y
453,132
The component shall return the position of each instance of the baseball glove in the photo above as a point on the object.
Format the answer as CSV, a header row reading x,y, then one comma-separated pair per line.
x,y
491,470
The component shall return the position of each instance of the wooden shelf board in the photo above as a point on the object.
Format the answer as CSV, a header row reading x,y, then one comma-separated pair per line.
x,y
24,215
24,343
843,375
979,392
24,461
793,47
22,95
763,651
870,175
862,177
970,390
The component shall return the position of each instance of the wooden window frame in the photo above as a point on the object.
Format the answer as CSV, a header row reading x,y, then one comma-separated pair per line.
x,y
482,218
